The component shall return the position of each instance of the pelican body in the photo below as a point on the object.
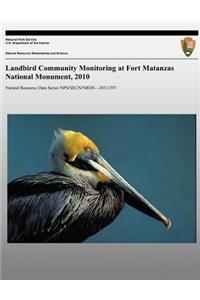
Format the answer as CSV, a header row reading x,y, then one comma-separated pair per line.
x,y
82,195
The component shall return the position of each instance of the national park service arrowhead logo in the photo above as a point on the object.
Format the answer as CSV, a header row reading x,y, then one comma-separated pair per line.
x,y
188,45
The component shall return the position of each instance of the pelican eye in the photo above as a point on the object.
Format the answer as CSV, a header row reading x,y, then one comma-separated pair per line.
x,y
81,161
65,157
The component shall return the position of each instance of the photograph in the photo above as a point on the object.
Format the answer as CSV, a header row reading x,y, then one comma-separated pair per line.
x,y
101,178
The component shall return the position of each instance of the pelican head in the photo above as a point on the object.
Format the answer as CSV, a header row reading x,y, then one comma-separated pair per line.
x,y
73,154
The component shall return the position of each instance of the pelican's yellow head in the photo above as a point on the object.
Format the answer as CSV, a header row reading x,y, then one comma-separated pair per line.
x,y
74,154
75,143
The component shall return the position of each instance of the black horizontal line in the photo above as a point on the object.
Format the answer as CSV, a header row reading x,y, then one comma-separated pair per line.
x,y
103,32
106,58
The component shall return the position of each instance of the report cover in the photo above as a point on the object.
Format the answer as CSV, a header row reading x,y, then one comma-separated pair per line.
x,y
99,143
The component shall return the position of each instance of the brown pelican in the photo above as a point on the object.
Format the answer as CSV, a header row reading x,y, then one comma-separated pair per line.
x,y
81,195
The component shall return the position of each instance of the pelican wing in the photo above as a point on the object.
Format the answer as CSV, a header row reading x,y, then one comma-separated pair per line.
x,y
41,207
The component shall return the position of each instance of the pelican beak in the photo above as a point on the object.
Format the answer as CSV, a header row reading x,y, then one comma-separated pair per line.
x,y
132,197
